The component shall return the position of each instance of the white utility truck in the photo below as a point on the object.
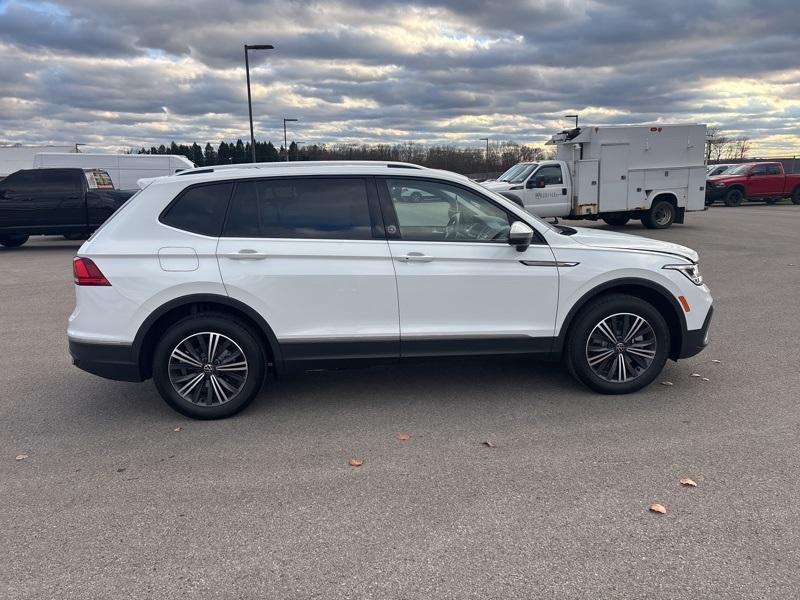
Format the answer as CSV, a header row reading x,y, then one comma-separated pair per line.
x,y
125,169
616,173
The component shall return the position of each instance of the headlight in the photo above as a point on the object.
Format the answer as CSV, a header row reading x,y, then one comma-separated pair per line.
x,y
717,184
692,272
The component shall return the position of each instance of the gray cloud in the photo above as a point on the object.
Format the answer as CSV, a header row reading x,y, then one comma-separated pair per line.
x,y
385,71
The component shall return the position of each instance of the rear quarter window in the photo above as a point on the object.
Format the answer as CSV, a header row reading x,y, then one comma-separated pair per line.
x,y
200,209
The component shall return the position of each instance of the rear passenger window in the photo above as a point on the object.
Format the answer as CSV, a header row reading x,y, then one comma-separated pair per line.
x,y
300,208
200,209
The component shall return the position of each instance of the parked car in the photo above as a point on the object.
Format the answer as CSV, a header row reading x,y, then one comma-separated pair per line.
x,y
714,170
655,174
211,281
753,181
68,202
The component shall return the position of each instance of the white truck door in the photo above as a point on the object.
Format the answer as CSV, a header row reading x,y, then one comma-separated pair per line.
x,y
613,177
547,192
588,180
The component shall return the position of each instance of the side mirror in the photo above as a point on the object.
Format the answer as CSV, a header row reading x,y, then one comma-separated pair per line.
x,y
520,235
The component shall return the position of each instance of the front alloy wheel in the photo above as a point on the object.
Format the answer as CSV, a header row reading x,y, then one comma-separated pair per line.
x,y
617,344
621,347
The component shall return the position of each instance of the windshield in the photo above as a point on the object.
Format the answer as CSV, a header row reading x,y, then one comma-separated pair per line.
x,y
523,173
740,170
511,172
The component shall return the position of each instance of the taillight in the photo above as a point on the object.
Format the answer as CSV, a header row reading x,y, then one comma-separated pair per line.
x,y
87,273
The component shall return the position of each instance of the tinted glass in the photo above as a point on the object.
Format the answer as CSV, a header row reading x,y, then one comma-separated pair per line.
x,y
60,180
773,170
551,175
435,211
300,208
200,209
759,170
22,181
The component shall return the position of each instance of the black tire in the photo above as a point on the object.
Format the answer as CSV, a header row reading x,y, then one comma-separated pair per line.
x,y
616,220
205,406
577,347
796,195
13,241
660,216
73,237
734,197
416,197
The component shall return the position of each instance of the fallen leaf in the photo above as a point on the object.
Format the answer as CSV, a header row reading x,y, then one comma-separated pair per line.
x,y
403,437
177,429
20,457
356,462
657,508
716,361
695,374
688,483
489,444
666,383
705,379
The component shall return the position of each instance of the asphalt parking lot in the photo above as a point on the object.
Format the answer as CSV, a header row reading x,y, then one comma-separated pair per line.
x,y
113,502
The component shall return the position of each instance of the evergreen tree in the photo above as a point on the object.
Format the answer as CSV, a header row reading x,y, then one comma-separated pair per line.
x,y
209,155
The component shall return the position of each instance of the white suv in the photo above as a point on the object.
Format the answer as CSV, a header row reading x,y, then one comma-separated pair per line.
x,y
214,280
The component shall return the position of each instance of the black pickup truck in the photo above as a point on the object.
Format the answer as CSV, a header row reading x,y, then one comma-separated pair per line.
x,y
68,202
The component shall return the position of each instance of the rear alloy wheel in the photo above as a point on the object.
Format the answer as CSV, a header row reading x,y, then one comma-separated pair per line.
x,y
734,197
660,216
208,366
616,220
13,241
619,344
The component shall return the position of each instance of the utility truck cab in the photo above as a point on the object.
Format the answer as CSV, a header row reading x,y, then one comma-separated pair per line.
x,y
655,174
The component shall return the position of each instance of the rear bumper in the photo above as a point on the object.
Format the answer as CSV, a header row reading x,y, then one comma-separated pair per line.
x,y
112,361
695,340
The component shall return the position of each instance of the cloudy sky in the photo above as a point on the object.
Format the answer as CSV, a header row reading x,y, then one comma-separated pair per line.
x,y
117,73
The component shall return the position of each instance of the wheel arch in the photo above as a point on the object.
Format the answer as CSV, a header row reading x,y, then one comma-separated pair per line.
x,y
649,291
160,319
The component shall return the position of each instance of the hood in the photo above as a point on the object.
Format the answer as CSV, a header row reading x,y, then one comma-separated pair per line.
x,y
623,241
498,186
725,178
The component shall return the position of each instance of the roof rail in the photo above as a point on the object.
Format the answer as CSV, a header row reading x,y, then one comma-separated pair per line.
x,y
307,163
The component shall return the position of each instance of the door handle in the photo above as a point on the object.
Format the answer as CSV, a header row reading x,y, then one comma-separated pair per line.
x,y
415,257
246,254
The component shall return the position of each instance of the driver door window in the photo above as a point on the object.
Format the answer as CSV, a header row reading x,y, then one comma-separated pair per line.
x,y
548,175
437,212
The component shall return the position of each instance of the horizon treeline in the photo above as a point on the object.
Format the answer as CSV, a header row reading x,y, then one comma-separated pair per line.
x,y
452,158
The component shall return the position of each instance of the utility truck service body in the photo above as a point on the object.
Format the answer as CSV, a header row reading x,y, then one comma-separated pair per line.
x,y
653,173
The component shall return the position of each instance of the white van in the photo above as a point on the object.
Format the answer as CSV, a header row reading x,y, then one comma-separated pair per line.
x,y
124,169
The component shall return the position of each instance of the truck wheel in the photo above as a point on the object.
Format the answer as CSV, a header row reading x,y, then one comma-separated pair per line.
x,y
796,195
13,241
616,220
734,197
208,366
660,216
75,236
618,344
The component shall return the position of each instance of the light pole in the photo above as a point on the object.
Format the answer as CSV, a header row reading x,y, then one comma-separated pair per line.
x,y
487,149
285,145
572,117
249,100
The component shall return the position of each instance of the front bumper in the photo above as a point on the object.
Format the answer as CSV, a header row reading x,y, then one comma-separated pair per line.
x,y
715,193
695,340
112,361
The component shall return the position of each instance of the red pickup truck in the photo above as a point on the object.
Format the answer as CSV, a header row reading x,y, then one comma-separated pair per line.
x,y
753,181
